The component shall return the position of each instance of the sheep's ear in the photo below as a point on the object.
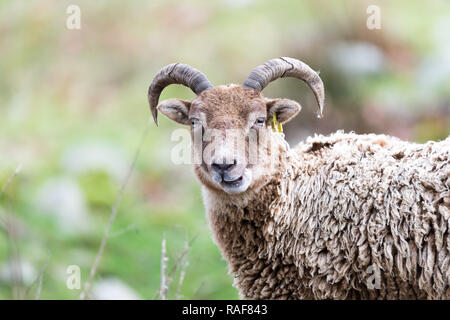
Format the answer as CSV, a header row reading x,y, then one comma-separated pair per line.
x,y
176,110
284,109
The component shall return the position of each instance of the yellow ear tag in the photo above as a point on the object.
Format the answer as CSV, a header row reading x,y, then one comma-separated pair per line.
x,y
276,126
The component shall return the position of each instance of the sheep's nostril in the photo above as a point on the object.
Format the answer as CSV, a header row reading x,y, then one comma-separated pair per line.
x,y
222,167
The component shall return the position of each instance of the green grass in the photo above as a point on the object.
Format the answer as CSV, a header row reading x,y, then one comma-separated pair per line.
x,y
63,88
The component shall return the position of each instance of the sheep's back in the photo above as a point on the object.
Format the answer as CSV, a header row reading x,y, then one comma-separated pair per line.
x,y
358,209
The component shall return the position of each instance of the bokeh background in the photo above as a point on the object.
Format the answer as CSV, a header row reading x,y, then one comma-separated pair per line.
x,y
73,109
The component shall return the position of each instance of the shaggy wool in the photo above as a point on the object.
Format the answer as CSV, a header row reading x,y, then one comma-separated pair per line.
x,y
344,216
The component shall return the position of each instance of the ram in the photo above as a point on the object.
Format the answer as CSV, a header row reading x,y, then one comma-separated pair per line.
x,y
344,216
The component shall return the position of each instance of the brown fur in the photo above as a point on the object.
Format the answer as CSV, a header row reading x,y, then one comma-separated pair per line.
x,y
336,206
225,103
230,107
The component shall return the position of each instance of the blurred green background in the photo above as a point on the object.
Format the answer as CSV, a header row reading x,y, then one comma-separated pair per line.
x,y
73,107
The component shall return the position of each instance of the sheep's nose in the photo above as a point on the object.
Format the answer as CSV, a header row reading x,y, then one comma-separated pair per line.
x,y
222,167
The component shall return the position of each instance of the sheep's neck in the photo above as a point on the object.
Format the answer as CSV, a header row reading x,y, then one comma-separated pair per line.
x,y
243,229
244,235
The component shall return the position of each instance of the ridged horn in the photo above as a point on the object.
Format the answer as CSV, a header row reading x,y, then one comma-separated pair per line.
x,y
282,67
175,73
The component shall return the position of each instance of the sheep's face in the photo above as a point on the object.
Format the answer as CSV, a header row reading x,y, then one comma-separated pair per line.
x,y
231,135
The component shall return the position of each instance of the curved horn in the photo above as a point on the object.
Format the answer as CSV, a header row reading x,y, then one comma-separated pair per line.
x,y
282,67
175,73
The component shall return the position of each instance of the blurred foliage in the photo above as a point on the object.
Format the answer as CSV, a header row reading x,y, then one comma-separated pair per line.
x,y
60,88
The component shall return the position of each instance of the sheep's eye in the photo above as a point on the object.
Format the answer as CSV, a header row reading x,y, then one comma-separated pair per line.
x,y
195,122
260,122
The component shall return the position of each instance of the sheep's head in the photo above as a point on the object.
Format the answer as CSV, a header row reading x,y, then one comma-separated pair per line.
x,y
231,126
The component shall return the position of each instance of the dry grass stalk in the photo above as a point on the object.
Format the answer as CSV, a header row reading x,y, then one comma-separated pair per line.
x,y
177,263
84,294
163,288
184,265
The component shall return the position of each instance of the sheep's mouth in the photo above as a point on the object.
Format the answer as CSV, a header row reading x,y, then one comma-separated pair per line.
x,y
232,183
238,185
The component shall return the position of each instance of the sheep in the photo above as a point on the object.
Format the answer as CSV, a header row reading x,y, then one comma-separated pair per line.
x,y
343,216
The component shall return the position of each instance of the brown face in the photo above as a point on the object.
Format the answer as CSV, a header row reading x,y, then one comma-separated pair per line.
x,y
231,134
